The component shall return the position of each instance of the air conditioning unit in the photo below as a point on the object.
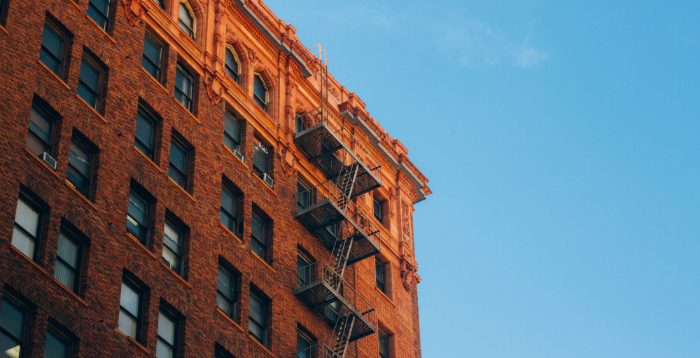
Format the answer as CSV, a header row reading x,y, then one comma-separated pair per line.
x,y
239,155
48,159
268,180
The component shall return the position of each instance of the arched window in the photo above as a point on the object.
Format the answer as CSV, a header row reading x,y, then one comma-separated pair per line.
x,y
187,19
233,67
261,96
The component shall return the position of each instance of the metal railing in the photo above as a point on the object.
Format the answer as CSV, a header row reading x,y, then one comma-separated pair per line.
x,y
320,271
318,350
324,115
329,191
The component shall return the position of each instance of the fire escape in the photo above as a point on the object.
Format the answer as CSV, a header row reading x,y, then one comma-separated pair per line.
x,y
329,212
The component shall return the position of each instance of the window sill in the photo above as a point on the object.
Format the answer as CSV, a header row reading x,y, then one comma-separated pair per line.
x,y
230,234
33,156
42,65
187,111
80,195
265,264
180,278
74,5
140,245
73,294
229,151
91,21
26,258
230,320
265,184
158,84
264,349
181,189
2,29
148,160
385,296
134,342
91,108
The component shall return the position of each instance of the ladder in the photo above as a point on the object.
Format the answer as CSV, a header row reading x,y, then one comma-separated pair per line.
x,y
340,339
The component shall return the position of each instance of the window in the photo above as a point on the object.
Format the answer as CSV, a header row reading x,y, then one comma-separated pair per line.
x,y
40,131
80,166
381,277
68,261
183,87
303,196
167,332
378,210
257,319
98,10
57,345
152,56
145,137
258,243
300,126
52,49
260,159
232,65
89,83
137,219
172,247
383,345
232,131
160,3
25,234
225,294
130,310
12,328
229,209
3,11
186,20
260,92
179,160
303,270
304,346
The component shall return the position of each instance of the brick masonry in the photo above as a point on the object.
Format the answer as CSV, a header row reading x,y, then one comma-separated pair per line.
x,y
92,317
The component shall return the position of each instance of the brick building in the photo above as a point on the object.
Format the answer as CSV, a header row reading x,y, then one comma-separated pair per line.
x,y
184,178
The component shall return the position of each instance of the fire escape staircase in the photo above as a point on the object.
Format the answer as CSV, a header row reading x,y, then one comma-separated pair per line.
x,y
329,212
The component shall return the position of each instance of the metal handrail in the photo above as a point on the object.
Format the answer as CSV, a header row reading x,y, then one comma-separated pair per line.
x,y
329,191
321,271
318,350
324,115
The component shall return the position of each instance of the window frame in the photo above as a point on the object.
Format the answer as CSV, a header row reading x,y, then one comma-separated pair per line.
x,y
378,206
380,283
91,166
181,257
265,245
97,93
229,70
176,332
190,31
189,98
233,301
228,115
381,334
139,310
158,65
307,273
263,326
303,197
32,135
187,152
151,120
40,217
263,103
104,16
60,58
235,199
77,271
25,311
60,336
259,146
146,236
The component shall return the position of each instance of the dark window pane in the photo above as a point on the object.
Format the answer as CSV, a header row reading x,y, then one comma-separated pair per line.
x,y
79,162
186,21
229,208
260,158
231,65
232,128
52,49
178,164
39,136
183,88
137,218
260,92
98,10
89,84
225,284
303,345
380,275
67,262
258,229
55,346
383,345
256,322
152,51
145,134
12,319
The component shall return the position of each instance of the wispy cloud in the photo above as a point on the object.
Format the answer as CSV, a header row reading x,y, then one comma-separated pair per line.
x,y
475,44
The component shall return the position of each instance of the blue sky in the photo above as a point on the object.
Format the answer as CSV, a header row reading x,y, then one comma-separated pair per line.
x,y
561,140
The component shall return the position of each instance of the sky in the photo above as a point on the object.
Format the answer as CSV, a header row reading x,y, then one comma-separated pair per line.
x,y
561,140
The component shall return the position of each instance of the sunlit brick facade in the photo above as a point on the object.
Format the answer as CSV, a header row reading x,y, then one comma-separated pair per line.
x,y
185,177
